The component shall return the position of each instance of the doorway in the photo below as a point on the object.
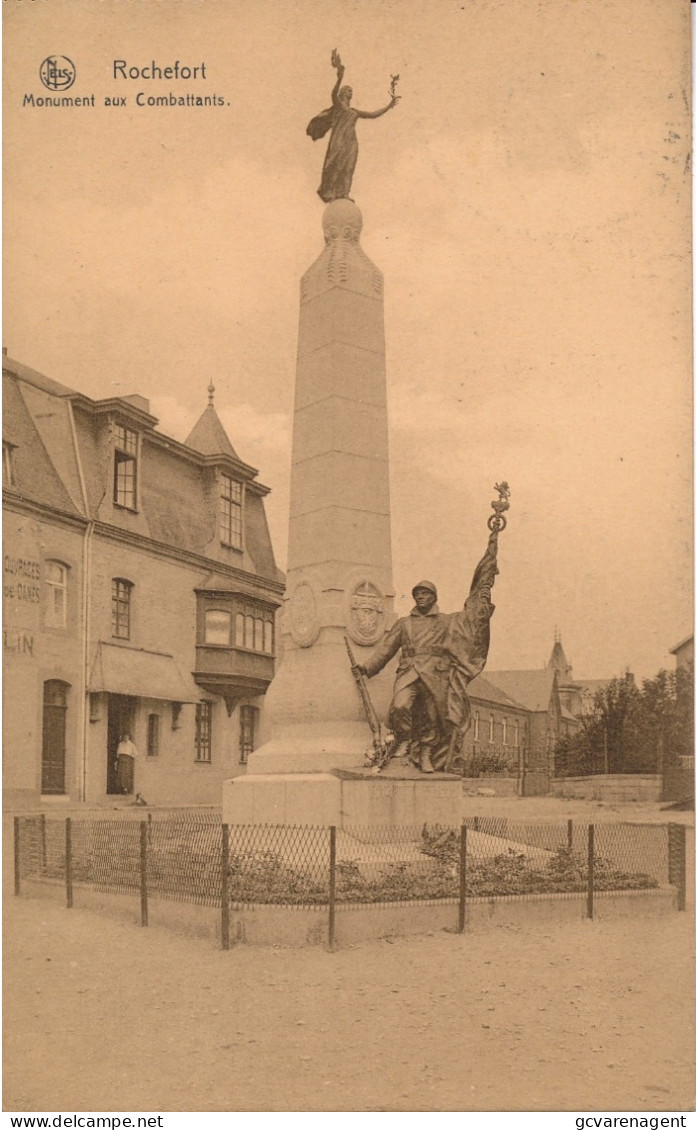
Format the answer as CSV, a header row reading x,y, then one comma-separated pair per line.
x,y
55,708
120,719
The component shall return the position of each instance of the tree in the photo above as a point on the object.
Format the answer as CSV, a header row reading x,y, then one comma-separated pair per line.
x,y
632,730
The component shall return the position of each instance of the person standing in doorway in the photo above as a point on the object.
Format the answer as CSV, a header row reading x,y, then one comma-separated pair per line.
x,y
125,764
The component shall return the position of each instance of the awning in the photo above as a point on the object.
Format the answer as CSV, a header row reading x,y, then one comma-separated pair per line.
x,y
140,674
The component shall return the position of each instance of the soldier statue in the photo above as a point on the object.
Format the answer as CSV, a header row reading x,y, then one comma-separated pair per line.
x,y
440,654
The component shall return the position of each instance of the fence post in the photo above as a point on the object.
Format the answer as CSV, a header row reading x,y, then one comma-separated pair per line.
x,y
570,835
17,868
590,870
476,823
68,863
143,873
44,852
225,888
332,886
677,861
462,880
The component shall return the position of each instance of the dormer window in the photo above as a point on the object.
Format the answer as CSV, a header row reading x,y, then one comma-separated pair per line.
x,y
125,467
231,501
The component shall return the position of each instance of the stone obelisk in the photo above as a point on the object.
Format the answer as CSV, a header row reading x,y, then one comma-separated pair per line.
x,y
339,579
339,547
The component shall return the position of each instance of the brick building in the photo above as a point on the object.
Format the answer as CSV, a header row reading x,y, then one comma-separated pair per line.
x,y
140,594
497,742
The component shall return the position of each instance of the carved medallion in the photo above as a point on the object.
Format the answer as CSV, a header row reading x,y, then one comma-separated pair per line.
x,y
366,613
302,614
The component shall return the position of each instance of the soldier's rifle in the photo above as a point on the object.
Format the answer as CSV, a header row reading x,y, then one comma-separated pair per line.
x,y
380,745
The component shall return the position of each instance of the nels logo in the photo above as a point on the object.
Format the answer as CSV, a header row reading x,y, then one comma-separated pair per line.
x,y
57,72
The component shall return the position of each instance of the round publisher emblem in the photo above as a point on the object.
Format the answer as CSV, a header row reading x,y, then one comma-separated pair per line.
x,y
57,72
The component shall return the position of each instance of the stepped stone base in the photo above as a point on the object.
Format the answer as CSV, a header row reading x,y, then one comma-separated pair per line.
x,y
343,797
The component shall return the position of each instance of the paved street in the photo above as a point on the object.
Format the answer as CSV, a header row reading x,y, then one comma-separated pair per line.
x,y
104,1015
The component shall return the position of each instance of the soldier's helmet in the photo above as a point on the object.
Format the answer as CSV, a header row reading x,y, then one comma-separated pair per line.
x,y
424,585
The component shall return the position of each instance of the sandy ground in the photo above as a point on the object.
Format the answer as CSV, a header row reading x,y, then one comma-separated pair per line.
x,y
102,1015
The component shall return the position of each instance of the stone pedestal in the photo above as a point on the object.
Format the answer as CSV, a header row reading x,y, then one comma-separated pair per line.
x,y
344,798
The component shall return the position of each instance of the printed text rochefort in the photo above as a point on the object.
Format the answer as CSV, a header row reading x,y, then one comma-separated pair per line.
x,y
154,72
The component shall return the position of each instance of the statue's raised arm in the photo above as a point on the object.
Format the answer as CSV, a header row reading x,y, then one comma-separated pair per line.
x,y
340,118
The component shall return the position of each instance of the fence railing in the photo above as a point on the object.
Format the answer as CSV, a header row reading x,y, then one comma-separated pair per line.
x,y
193,858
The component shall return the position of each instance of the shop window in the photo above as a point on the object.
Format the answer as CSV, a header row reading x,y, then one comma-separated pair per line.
x,y
204,732
231,500
56,594
248,727
121,602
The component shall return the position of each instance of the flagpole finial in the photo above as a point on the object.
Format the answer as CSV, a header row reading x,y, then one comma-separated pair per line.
x,y
497,521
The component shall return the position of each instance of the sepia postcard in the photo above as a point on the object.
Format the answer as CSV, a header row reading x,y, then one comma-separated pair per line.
x,y
348,757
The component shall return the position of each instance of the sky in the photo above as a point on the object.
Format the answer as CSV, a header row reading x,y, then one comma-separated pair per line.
x,y
528,201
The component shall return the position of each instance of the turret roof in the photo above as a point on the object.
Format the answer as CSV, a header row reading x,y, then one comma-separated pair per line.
x,y
209,437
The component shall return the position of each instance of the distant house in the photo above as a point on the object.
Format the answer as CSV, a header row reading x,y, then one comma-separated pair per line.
x,y
683,652
140,595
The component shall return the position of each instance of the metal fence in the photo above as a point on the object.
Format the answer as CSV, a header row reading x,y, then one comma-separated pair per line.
x,y
192,857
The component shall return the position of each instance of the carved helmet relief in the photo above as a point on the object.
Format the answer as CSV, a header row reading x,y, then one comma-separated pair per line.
x,y
366,613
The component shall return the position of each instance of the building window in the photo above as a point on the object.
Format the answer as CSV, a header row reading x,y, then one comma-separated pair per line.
x,y
121,608
153,734
268,636
231,493
56,594
204,732
516,734
8,477
217,627
125,467
248,722
491,729
477,726
253,629
505,728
